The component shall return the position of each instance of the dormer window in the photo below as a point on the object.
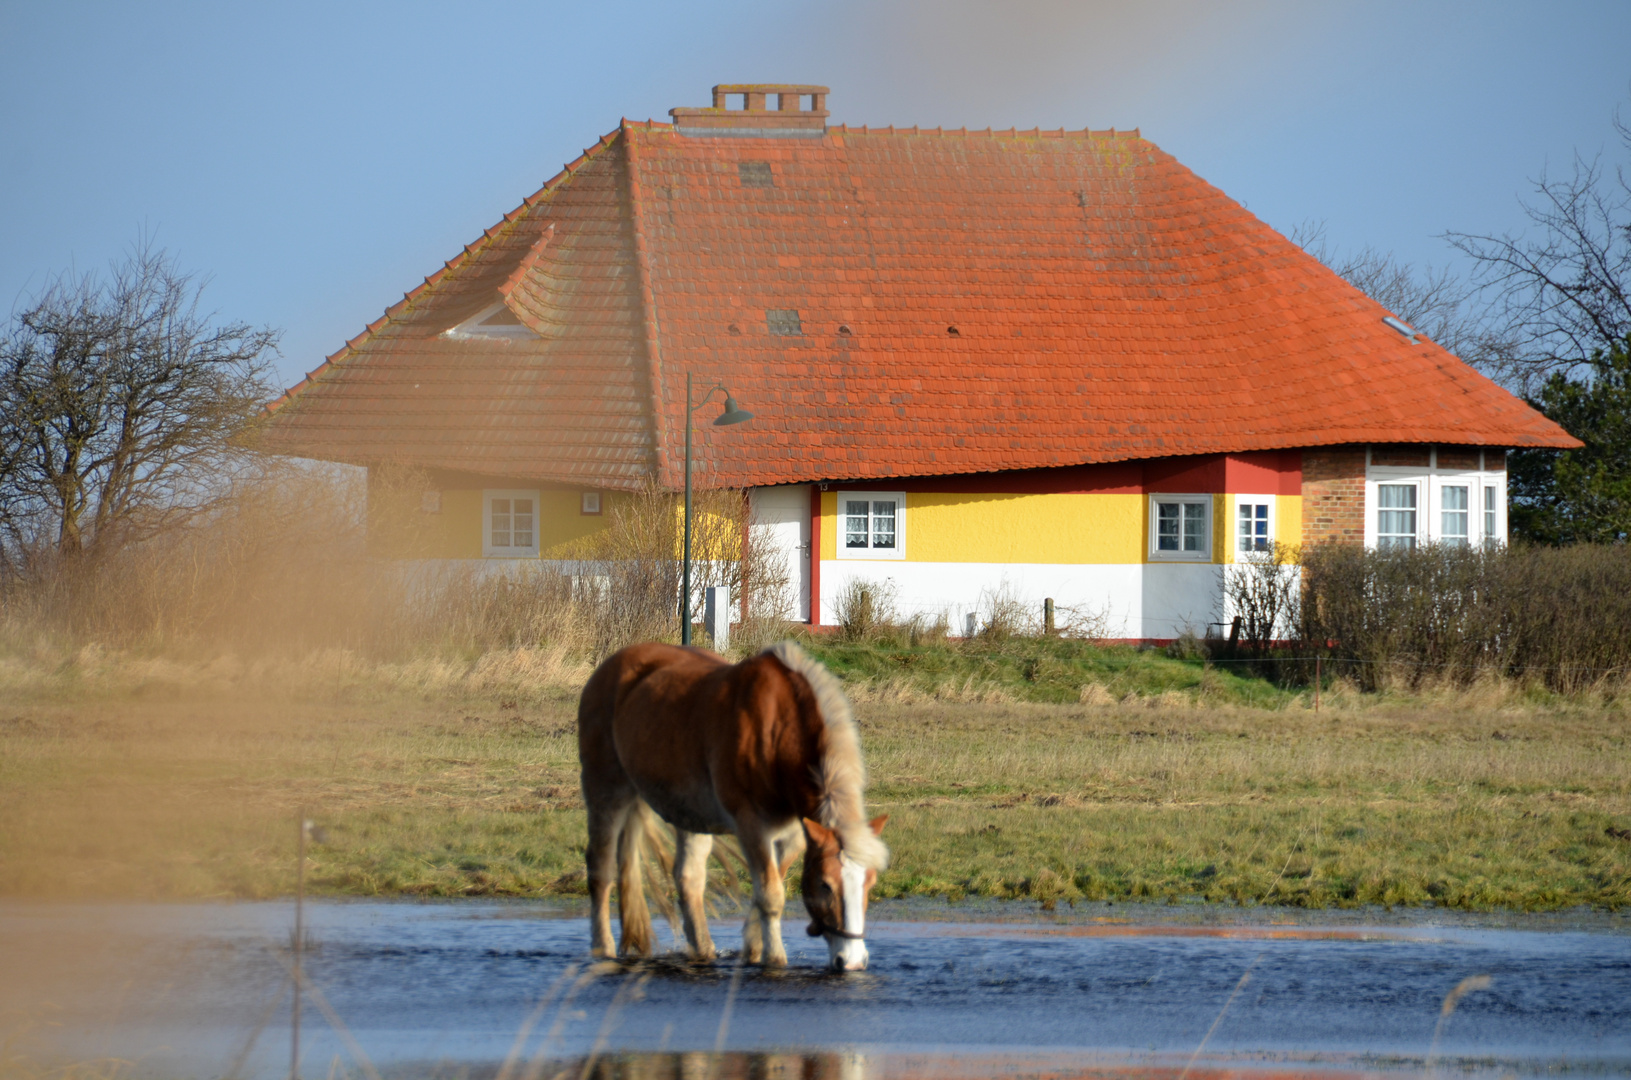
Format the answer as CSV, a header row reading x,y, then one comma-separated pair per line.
x,y
497,321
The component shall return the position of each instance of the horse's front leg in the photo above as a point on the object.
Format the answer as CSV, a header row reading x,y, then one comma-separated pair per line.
x,y
762,934
691,883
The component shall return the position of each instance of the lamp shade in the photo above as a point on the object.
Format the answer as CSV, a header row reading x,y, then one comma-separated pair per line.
x,y
733,414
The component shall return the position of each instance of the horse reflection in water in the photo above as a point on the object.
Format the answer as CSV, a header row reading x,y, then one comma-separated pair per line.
x,y
765,749
729,1066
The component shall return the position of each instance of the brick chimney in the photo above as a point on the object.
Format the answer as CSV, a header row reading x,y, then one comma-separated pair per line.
x,y
755,116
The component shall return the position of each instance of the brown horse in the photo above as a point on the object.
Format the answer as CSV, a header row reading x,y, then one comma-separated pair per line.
x,y
765,749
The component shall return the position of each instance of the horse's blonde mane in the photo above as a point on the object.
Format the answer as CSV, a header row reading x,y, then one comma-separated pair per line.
x,y
841,773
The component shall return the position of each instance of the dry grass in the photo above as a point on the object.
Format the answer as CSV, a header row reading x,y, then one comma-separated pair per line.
x,y
121,776
168,712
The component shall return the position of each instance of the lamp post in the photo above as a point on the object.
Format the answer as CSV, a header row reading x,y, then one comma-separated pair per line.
x,y
731,415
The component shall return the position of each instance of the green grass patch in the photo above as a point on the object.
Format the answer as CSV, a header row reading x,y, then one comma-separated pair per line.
x,y
1182,783
1051,670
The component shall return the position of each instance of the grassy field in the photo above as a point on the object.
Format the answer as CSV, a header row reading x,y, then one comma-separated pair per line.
x,y
1050,774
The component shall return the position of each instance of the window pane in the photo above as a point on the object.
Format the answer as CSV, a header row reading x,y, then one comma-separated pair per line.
x,y
883,523
1454,513
1166,526
501,523
1396,518
1253,526
521,523
1489,513
855,523
1194,526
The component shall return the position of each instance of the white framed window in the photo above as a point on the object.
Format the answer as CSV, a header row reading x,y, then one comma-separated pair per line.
x,y
1492,532
430,501
1181,527
1396,515
493,321
1254,523
509,523
871,525
1457,505
1455,514
590,503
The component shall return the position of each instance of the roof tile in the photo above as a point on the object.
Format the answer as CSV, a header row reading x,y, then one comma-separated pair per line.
x,y
1109,305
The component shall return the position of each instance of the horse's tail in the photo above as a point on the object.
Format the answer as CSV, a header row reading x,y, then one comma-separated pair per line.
x,y
641,836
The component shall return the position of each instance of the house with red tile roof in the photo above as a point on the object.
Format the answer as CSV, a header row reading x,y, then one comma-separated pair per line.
x,y
1053,362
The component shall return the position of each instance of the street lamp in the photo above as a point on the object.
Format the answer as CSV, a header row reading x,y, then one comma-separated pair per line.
x,y
732,415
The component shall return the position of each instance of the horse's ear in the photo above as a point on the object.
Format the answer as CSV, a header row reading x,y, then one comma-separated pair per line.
x,y
819,834
877,824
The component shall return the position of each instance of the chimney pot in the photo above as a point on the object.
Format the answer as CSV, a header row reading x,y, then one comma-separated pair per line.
x,y
755,117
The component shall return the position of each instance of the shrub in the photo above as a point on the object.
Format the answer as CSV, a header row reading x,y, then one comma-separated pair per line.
x,y
1554,616
864,608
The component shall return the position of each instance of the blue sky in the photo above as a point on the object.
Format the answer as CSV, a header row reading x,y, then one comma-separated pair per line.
x,y
317,160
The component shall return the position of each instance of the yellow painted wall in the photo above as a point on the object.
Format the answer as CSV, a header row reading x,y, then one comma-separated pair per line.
x,y
1288,519
561,520
1061,528
1066,528
398,528
975,528
461,523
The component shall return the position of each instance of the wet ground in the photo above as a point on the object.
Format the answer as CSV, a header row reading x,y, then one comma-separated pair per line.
x,y
458,988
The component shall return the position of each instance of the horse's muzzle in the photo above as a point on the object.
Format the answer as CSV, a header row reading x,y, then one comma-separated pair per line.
x,y
846,953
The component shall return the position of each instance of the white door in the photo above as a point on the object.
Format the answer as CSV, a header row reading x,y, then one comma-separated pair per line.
x,y
781,520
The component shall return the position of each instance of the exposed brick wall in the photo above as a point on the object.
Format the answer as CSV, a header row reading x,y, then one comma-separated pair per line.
x,y
1334,495
1410,457
1459,457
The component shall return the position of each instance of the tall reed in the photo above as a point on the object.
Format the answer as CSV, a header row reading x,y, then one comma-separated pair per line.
x,y
285,566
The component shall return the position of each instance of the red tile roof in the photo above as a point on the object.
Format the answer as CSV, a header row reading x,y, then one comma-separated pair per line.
x,y
965,302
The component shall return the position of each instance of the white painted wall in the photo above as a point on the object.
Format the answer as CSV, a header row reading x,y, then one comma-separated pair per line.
x,y
781,523
1137,600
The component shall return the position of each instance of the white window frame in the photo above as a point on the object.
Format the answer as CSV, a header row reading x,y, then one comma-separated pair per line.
x,y
589,503
1156,554
1373,507
897,552
491,551
1473,510
1430,482
1497,538
1234,522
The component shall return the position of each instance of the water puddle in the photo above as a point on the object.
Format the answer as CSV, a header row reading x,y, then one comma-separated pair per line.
x,y
461,989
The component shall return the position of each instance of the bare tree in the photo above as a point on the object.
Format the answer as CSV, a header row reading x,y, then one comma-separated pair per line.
x,y
120,404
1562,290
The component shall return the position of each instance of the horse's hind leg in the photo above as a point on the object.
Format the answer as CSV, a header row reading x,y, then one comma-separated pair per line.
x,y
691,883
605,827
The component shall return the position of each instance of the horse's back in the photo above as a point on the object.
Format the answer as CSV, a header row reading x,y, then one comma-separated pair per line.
x,y
606,695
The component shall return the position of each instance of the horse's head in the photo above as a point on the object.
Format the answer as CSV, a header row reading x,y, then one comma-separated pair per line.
x,y
836,885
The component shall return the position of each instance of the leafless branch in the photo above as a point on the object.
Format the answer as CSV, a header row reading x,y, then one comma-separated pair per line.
x,y
120,401
1562,287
